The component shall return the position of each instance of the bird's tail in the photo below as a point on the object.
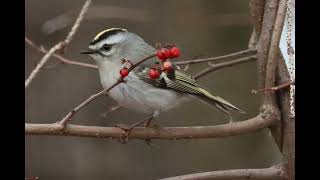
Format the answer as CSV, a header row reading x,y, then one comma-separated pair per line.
x,y
218,102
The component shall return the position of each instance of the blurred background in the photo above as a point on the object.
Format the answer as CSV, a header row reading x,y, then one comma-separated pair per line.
x,y
200,28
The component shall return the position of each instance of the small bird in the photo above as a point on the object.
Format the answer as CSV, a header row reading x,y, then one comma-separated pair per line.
x,y
141,93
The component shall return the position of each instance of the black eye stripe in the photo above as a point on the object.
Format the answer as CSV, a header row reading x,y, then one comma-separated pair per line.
x,y
106,47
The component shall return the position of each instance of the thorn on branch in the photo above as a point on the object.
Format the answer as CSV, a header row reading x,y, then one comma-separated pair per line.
x,y
273,89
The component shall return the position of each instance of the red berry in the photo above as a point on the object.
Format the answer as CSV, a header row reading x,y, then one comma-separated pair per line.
x,y
124,72
154,73
167,53
174,52
162,54
167,66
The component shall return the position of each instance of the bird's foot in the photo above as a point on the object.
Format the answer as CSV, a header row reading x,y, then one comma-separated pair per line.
x,y
124,138
154,126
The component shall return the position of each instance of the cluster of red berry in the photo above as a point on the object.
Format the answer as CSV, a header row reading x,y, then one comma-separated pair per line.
x,y
163,55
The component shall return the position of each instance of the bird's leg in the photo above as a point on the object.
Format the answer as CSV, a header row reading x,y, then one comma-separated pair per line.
x,y
148,124
127,130
230,118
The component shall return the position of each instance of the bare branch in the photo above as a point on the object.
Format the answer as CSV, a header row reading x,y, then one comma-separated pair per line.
x,y
218,131
288,122
275,88
239,54
273,55
269,99
41,64
272,173
60,45
264,40
76,25
59,57
223,65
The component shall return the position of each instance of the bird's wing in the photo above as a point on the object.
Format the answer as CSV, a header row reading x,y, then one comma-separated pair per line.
x,y
179,81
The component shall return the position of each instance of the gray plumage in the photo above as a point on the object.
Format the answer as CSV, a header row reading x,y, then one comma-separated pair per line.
x,y
140,93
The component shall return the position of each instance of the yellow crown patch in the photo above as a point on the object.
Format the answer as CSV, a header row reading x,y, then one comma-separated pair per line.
x,y
107,30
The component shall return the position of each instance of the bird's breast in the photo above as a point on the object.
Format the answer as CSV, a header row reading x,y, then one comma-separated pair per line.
x,y
109,73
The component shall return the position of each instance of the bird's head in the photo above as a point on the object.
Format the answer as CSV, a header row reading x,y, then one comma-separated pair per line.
x,y
115,44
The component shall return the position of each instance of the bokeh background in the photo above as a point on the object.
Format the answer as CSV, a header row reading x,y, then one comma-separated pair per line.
x,y
200,28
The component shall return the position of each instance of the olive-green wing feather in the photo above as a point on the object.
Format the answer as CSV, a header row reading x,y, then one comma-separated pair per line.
x,y
181,82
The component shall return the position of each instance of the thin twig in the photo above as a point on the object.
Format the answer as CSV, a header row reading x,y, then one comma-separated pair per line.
x,y
272,173
64,120
275,88
223,65
196,132
239,54
76,25
41,64
59,45
59,57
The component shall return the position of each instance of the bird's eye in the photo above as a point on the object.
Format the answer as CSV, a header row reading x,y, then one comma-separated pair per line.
x,y
106,47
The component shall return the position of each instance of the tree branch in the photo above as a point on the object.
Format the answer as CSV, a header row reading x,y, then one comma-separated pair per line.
x,y
218,131
59,57
272,173
288,122
239,54
265,40
273,57
274,88
60,45
213,67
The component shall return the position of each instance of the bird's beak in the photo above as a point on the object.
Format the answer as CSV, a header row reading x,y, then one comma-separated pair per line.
x,y
89,51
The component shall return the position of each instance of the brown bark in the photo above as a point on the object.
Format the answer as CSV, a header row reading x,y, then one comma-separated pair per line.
x,y
272,62
288,122
274,173
195,132
256,12
265,40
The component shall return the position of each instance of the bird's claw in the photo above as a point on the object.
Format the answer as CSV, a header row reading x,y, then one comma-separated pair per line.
x,y
124,138
152,126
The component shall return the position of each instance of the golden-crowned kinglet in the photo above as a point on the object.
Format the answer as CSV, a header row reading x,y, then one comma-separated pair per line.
x,y
140,93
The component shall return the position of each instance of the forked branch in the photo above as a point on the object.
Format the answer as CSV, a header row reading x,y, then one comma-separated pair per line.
x,y
58,46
